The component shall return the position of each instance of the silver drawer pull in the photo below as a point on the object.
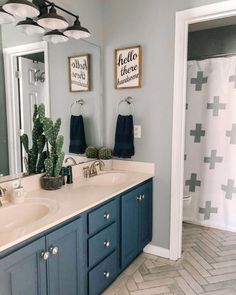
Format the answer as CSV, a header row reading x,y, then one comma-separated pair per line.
x,y
45,255
54,250
106,216
139,198
106,244
106,274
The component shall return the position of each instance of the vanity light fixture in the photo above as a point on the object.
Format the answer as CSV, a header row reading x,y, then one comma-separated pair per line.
x,y
77,31
55,37
5,17
21,8
30,27
52,20
41,15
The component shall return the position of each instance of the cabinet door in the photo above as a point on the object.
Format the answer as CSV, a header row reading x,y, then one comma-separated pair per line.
x,y
145,235
64,267
24,271
129,227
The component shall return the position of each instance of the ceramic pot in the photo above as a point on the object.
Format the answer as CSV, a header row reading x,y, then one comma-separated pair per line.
x,y
51,183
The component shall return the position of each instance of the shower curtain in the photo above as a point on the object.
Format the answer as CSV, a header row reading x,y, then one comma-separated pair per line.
x,y
210,147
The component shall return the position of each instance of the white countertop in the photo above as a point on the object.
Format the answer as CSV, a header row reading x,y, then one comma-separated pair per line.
x,y
69,201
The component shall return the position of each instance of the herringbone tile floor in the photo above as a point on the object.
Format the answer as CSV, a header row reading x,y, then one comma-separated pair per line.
x,y
208,266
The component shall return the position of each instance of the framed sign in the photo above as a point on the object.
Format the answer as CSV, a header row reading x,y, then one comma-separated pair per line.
x,y
128,67
79,73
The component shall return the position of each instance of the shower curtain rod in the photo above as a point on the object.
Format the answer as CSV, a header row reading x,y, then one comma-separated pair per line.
x,y
212,56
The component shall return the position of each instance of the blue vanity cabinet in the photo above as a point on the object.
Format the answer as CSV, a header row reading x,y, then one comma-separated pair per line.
x,y
65,265
24,271
136,222
52,265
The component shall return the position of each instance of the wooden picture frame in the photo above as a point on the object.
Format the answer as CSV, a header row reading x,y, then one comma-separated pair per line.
x,y
128,67
79,73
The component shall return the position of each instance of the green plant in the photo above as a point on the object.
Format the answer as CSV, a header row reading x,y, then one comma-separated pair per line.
x,y
105,153
55,156
35,156
91,152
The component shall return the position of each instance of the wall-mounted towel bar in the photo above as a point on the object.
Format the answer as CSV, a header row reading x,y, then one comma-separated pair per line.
x,y
77,102
129,100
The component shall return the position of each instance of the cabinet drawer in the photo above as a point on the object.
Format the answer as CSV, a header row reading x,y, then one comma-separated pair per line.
x,y
102,275
101,217
102,244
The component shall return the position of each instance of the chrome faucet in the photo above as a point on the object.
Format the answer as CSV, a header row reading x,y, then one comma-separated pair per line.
x,y
93,168
72,159
2,195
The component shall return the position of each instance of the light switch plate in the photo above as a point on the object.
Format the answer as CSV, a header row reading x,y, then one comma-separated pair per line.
x,y
137,131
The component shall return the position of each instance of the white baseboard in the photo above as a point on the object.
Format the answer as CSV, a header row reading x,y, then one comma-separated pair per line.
x,y
157,251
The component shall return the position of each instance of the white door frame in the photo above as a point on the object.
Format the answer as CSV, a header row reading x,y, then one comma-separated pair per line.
x,y
12,96
183,20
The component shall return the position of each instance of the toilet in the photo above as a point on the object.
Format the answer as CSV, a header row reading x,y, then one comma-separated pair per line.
x,y
186,204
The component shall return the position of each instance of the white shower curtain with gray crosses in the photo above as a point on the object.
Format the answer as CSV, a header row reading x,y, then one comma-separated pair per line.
x,y
210,147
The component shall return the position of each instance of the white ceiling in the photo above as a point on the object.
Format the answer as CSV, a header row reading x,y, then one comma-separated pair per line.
x,y
213,24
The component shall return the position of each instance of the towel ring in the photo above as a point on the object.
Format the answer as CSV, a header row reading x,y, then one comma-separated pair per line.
x,y
129,100
81,103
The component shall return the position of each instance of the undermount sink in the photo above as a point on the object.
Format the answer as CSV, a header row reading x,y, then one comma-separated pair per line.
x,y
13,217
109,179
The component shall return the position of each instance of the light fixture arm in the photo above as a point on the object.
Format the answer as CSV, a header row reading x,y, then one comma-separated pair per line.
x,y
46,3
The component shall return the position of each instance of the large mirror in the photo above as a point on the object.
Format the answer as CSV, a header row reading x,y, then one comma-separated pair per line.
x,y
33,71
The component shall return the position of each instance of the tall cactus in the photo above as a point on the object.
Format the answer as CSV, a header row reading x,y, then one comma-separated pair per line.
x,y
35,156
55,155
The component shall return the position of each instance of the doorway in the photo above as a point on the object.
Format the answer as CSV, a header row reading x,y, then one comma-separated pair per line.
x,y
26,84
183,20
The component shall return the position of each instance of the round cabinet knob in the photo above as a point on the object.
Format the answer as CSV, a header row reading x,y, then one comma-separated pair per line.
x,y
143,197
106,274
45,255
106,244
106,216
54,250
139,198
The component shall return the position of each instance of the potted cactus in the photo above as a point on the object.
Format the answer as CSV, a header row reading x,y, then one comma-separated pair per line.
x,y
105,154
52,180
91,152
35,156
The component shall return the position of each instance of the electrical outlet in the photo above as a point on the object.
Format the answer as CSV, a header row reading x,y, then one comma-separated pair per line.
x,y
137,131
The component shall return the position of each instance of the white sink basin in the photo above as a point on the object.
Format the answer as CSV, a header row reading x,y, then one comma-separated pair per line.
x,y
109,179
13,217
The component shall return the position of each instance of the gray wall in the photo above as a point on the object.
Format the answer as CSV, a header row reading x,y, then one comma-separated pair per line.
x,y
4,168
152,25
212,42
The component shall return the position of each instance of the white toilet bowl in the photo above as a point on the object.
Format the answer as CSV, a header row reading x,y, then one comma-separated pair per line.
x,y
186,207
187,201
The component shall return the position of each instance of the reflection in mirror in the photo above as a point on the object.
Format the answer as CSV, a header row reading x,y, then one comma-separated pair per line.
x,y
36,71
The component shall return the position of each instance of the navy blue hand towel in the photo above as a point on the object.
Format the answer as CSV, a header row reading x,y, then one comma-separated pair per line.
x,y
124,138
77,135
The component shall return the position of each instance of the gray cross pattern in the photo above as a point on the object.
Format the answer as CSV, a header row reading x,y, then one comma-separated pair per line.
x,y
213,159
232,134
216,106
230,189
208,210
233,79
199,81
197,133
193,182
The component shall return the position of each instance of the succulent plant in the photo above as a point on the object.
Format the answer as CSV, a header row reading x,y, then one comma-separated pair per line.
x,y
105,153
91,152
55,156
35,156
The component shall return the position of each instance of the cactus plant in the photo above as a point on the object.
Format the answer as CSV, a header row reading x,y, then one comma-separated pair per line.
x,y
35,156
105,153
55,156
91,152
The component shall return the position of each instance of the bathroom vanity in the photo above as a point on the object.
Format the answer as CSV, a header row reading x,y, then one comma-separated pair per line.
x,y
83,245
